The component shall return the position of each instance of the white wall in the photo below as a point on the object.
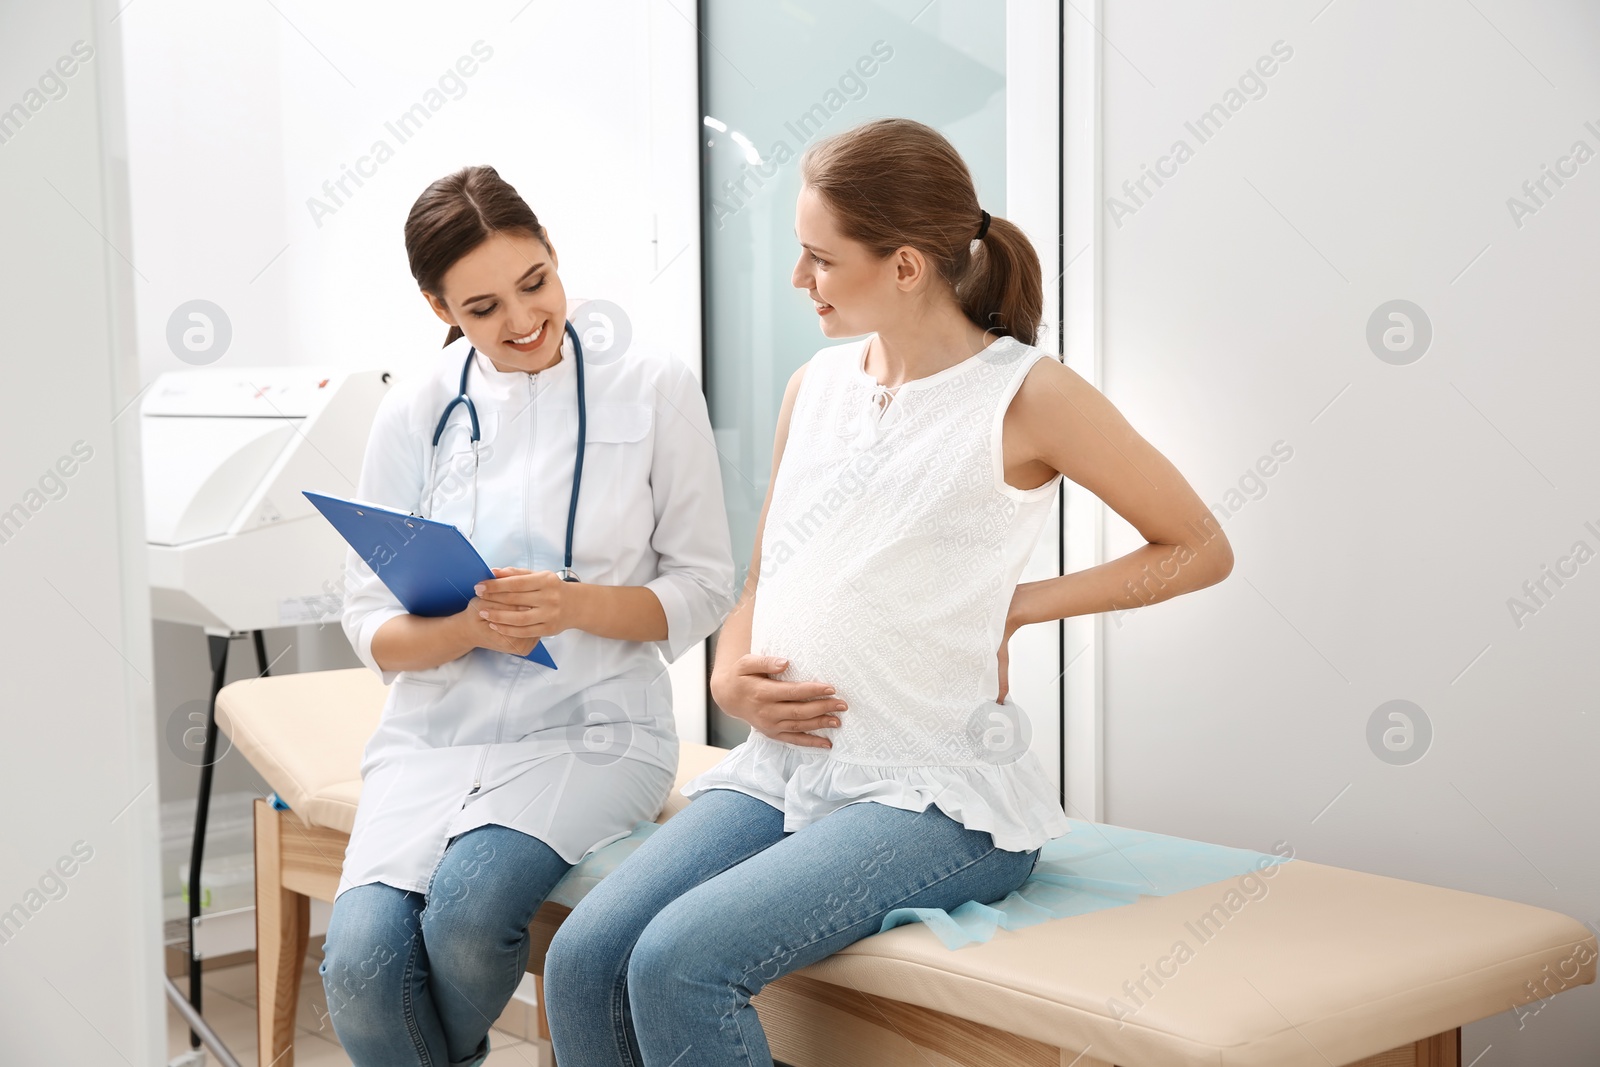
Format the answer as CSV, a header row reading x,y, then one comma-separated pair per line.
x,y
240,115
1377,562
80,955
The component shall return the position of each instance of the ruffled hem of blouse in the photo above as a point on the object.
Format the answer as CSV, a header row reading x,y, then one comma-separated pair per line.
x,y
1015,803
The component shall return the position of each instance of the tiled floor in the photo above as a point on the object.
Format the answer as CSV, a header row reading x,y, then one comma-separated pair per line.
x,y
230,1008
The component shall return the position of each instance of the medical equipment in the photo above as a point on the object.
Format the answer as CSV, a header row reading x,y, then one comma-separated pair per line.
x,y
463,400
233,546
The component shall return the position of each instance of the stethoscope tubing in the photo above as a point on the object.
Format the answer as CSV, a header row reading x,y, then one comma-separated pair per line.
x,y
462,399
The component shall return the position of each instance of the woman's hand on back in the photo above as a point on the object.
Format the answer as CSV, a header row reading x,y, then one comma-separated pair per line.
x,y
783,711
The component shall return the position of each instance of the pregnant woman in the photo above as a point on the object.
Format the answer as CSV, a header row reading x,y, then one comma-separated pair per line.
x,y
912,473
489,775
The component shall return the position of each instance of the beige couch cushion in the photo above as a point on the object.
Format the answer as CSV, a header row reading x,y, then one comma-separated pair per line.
x,y
305,733
1328,966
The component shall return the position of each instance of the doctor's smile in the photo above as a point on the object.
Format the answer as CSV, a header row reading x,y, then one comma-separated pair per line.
x,y
530,342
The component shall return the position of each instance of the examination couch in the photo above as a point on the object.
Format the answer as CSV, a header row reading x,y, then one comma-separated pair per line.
x,y
1334,967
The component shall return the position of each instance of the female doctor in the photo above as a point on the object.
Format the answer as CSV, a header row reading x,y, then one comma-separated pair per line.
x,y
490,774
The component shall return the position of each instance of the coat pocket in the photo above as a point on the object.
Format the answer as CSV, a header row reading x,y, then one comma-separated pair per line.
x,y
618,422
411,699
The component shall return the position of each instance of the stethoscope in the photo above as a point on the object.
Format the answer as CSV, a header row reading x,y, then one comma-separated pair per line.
x,y
462,399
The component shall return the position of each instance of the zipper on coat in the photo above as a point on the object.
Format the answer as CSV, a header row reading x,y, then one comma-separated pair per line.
x,y
500,718
527,468
499,728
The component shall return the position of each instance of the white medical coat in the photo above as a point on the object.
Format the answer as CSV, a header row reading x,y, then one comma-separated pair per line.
x,y
575,756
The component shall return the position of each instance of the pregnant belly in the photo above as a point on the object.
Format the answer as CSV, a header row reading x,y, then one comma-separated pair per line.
x,y
909,693
805,636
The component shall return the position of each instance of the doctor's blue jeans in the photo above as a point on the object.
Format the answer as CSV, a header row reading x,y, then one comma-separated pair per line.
x,y
656,966
414,979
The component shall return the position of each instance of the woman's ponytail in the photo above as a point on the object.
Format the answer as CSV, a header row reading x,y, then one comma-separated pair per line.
x,y
1003,291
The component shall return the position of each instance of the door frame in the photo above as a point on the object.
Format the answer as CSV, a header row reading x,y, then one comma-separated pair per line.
x,y
1082,289
1034,201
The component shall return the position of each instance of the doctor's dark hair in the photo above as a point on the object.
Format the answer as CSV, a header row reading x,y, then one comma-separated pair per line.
x,y
456,214
896,182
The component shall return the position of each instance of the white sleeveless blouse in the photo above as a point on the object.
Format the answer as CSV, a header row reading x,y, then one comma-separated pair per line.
x,y
891,550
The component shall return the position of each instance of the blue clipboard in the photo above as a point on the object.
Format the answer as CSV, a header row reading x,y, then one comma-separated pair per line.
x,y
429,566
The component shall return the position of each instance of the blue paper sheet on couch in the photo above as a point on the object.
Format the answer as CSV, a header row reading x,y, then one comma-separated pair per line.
x,y
587,872
1096,866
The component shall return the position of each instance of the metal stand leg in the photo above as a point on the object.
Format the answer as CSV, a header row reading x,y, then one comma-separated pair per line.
x,y
219,666
261,654
218,647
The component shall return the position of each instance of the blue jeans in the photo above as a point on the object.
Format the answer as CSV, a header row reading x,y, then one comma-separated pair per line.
x,y
657,965
414,979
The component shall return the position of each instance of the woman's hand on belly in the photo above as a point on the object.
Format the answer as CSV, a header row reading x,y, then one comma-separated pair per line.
x,y
783,711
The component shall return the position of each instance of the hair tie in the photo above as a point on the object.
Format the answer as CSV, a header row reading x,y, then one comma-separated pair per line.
x,y
983,227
